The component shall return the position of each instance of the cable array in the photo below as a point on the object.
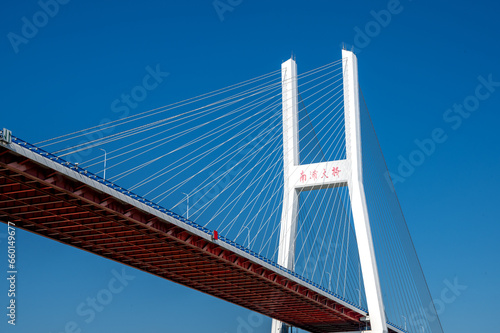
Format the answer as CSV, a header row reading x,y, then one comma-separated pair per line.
x,y
407,299
326,249
217,159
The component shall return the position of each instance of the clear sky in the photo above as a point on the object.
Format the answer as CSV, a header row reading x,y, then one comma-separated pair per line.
x,y
417,67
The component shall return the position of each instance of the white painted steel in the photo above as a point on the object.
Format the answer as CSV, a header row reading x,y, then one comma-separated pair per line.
x,y
357,195
288,228
329,174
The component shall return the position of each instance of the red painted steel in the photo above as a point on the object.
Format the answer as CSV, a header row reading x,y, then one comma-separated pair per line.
x,y
44,201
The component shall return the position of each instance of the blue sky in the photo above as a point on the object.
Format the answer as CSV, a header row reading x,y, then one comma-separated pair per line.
x,y
427,58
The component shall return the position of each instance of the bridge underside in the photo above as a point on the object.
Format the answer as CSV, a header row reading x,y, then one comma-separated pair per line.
x,y
47,202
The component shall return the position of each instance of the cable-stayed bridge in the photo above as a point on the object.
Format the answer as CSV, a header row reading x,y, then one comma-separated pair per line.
x,y
276,198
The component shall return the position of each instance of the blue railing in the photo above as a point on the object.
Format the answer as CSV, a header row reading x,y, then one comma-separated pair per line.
x,y
153,205
396,326
106,182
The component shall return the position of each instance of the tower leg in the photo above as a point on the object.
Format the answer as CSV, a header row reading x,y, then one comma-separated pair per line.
x,y
360,216
286,251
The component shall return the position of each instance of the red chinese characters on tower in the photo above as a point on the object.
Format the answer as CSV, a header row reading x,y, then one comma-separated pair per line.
x,y
324,174
303,177
314,175
335,171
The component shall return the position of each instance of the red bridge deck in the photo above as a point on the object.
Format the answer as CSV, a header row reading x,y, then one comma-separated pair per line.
x,y
52,200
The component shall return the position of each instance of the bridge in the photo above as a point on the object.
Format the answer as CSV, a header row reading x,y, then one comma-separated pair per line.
x,y
379,285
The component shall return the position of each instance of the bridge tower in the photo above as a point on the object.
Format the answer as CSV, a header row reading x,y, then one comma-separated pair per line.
x,y
348,173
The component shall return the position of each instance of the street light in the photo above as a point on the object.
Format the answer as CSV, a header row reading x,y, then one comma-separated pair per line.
x,y
104,175
248,236
329,281
359,295
187,209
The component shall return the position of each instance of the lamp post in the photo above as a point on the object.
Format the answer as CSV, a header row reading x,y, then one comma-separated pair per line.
x,y
187,209
104,174
248,236
359,296
329,281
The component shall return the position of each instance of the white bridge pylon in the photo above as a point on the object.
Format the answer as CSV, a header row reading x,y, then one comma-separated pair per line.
x,y
347,172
